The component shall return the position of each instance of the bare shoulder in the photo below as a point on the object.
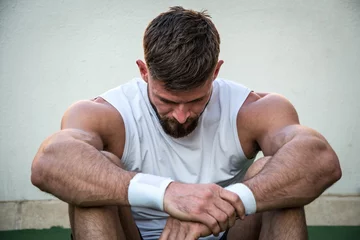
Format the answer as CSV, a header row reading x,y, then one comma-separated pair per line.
x,y
267,108
95,121
260,117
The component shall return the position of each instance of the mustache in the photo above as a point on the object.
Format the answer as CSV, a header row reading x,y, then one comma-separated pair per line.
x,y
175,129
175,122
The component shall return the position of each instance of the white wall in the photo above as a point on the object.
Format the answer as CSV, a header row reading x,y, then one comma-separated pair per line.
x,y
53,53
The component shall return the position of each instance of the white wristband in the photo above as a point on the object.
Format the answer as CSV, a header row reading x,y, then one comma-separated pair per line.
x,y
246,196
146,190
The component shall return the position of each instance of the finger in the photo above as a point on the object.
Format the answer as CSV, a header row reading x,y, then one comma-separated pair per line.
x,y
229,210
210,222
173,234
196,231
165,233
235,201
181,233
220,216
190,236
203,230
232,219
175,228
191,233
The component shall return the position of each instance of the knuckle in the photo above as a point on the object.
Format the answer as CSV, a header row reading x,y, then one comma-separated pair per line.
x,y
201,205
223,218
214,224
208,194
196,213
235,198
230,212
216,188
213,186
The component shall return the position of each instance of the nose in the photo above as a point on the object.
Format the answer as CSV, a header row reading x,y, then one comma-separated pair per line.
x,y
181,113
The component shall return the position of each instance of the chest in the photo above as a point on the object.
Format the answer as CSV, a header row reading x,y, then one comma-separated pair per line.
x,y
208,155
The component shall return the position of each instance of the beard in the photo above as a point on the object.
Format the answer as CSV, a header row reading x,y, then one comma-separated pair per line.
x,y
177,130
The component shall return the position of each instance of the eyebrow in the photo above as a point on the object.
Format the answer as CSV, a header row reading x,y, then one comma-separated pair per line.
x,y
169,101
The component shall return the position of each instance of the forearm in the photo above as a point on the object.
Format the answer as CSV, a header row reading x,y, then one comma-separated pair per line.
x,y
297,173
78,173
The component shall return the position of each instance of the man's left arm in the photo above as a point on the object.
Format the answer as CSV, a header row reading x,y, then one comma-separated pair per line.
x,y
302,165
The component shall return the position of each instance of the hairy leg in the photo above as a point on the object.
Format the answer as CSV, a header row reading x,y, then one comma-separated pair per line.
x,y
107,222
284,224
249,228
279,224
95,223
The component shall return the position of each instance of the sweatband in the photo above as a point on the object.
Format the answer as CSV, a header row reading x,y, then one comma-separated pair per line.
x,y
146,190
246,196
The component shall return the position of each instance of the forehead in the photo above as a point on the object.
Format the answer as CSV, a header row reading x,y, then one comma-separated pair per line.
x,y
157,88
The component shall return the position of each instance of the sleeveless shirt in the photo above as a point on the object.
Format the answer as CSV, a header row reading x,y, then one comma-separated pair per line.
x,y
210,154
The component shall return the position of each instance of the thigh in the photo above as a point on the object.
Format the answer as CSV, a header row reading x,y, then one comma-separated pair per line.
x,y
246,229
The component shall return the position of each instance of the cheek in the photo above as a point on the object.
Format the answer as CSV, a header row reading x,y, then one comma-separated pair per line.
x,y
197,109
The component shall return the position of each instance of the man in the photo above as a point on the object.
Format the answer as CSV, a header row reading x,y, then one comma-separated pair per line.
x,y
177,146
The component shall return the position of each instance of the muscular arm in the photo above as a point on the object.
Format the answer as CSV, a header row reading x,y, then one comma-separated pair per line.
x,y
302,165
70,165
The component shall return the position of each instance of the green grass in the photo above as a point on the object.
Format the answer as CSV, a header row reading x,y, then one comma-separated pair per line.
x,y
57,233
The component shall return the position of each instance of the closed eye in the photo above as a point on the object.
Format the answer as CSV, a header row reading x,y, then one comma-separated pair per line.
x,y
197,100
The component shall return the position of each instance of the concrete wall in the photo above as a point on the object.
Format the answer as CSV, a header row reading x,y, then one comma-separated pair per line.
x,y
53,53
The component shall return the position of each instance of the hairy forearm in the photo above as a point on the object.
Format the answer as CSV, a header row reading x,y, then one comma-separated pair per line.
x,y
296,174
78,173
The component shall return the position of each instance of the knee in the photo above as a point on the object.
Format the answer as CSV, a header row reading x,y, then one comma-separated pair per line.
x,y
256,167
296,214
89,211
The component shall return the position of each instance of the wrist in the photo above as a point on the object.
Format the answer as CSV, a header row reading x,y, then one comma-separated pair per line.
x,y
146,190
246,196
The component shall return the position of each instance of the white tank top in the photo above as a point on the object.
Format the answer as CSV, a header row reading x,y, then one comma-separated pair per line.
x,y
210,154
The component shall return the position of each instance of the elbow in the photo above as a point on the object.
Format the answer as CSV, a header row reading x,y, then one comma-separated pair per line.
x,y
41,166
331,166
336,172
38,171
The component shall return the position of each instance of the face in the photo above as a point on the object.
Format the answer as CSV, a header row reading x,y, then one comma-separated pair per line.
x,y
178,112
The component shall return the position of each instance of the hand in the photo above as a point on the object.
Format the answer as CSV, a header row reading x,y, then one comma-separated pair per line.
x,y
208,204
176,229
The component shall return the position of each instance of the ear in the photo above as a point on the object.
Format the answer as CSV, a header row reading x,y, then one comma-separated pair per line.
x,y
143,70
217,69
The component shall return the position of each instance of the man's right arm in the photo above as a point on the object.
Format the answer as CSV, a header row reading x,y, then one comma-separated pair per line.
x,y
70,165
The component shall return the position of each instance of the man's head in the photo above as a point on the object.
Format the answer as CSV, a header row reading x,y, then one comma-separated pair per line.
x,y
181,49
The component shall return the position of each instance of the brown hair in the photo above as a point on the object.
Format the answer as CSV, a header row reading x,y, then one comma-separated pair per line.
x,y
181,48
